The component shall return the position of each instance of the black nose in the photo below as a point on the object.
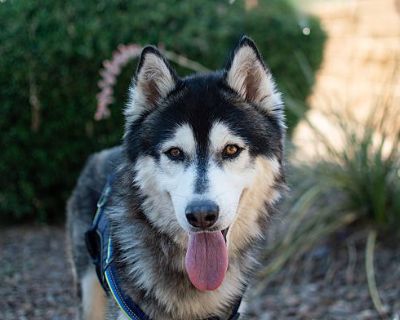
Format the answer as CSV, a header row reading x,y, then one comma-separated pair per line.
x,y
202,213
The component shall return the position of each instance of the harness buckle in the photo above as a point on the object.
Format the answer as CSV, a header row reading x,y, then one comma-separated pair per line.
x,y
94,244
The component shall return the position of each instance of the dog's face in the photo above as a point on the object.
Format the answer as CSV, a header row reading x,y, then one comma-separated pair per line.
x,y
210,171
206,149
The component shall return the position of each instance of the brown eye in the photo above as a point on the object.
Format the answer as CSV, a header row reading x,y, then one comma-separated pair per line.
x,y
231,151
174,154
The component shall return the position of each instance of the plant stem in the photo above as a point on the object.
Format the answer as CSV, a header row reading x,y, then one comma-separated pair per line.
x,y
369,266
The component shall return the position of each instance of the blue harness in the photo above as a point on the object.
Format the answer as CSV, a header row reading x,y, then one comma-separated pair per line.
x,y
100,247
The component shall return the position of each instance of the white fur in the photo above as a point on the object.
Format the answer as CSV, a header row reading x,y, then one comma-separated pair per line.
x,y
220,136
253,201
183,138
227,183
158,202
170,180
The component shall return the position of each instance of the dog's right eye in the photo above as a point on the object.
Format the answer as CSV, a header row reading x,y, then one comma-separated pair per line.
x,y
175,154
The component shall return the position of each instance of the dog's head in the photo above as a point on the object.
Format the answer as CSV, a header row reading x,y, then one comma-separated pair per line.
x,y
206,151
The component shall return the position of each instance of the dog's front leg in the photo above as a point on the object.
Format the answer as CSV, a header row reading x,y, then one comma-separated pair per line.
x,y
93,297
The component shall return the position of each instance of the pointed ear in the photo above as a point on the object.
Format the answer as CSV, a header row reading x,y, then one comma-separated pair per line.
x,y
155,79
250,78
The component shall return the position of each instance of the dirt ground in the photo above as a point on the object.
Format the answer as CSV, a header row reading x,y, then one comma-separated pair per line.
x,y
328,284
35,276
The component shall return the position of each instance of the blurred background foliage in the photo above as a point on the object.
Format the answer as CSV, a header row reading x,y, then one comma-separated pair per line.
x,y
51,53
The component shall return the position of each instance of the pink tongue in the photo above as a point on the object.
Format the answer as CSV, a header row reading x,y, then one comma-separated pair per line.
x,y
206,260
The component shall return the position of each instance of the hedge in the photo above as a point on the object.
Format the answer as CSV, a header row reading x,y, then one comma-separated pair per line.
x,y
50,56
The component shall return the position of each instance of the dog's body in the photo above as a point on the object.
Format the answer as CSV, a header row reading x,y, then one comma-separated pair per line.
x,y
195,182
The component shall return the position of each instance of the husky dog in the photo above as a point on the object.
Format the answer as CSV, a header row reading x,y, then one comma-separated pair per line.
x,y
196,179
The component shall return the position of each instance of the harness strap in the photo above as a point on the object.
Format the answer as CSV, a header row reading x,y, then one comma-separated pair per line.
x,y
129,308
100,247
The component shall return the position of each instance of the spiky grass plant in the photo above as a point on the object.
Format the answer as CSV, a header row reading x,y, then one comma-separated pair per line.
x,y
348,182
364,172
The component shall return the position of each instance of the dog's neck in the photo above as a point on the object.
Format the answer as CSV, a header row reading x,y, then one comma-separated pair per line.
x,y
151,266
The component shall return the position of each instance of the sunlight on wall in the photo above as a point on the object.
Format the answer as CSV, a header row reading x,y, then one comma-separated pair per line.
x,y
361,64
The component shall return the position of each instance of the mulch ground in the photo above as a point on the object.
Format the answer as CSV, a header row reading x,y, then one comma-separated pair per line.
x,y
35,276
329,283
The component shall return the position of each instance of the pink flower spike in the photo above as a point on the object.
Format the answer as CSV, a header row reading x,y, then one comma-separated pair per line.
x,y
108,77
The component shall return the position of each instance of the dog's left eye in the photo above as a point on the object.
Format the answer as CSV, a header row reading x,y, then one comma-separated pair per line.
x,y
175,154
231,151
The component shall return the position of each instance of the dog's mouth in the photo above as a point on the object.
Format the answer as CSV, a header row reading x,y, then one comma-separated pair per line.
x,y
224,233
206,259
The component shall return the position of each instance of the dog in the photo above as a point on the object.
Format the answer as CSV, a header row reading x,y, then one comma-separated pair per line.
x,y
195,181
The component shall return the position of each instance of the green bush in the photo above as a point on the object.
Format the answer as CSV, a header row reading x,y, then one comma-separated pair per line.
x,y
51,53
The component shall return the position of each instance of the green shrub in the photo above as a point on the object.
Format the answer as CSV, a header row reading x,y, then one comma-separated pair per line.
x,y
51,53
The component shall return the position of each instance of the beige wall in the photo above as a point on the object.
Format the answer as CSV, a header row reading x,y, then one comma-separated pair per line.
x,y
361,57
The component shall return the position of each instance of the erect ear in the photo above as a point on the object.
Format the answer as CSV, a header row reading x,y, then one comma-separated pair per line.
x,y
155,78
250,78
